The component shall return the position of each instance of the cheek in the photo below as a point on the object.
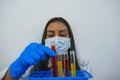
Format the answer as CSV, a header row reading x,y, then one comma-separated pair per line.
x,y
68,36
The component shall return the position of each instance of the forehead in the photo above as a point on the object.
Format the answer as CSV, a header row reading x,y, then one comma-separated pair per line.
x,y
57,26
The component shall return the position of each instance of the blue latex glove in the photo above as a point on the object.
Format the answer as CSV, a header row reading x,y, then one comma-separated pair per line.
x,y
32,54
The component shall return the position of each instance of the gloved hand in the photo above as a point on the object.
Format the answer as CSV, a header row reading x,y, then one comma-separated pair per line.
x,y
31,55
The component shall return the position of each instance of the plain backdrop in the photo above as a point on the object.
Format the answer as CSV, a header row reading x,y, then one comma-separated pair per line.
x,y
95,24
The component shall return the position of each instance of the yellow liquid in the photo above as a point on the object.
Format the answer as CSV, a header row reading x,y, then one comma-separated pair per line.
x,y
73,70
60,73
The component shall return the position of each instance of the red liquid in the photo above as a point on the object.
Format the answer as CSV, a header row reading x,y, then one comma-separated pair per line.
x,y
53,66
53,59
66,67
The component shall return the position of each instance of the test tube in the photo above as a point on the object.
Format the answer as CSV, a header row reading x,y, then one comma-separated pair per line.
x,y
72,63
60,65
53,59
66,64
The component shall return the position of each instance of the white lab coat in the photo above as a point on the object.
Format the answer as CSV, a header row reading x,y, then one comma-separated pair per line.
x,y
3,72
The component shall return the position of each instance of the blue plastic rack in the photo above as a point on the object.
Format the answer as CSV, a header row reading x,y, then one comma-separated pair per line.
x,y
47,75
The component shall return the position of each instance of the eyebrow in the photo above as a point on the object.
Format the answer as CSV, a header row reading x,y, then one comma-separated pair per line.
x,y
59,31
62,30
50,31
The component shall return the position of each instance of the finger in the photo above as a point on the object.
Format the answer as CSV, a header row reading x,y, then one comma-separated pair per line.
x,y
41,54
47,50
35,55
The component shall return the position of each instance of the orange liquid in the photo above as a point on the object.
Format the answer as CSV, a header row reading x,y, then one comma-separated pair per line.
x,y
60,72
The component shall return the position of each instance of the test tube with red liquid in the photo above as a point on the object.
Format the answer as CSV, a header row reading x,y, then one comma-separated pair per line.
x,y
66,64
53,59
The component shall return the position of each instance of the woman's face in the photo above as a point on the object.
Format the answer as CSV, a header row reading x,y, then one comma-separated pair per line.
x,y
57,29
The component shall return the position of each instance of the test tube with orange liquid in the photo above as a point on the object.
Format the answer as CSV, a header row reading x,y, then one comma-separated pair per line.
x,y
60,65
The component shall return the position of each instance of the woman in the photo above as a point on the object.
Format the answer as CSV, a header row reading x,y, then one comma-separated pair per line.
x,y
58,30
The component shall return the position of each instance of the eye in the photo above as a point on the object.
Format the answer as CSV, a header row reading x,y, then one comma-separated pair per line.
x,y
63,35
50,35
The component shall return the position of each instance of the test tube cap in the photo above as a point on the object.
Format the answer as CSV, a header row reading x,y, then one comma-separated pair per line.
x,y
53,47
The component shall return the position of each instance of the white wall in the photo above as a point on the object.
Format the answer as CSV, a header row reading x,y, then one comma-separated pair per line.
x,y
95,24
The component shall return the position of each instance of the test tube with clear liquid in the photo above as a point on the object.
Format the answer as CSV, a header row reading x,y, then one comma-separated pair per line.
x,y
73,63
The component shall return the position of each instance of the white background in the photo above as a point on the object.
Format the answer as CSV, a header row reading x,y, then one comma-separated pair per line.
x,y
95,24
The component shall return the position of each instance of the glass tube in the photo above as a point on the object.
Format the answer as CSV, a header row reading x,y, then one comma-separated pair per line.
x,y
66,64
53,59
73,63
60,65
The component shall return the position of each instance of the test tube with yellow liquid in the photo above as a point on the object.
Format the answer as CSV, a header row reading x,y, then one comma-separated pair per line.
x,y
73,63
60,65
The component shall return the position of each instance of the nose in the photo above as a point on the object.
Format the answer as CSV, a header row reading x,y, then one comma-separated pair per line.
x,y
56,33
